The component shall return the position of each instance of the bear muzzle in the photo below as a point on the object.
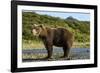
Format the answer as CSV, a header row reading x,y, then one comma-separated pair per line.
x,y
35,33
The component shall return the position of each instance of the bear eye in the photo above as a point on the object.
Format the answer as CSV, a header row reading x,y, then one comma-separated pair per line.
x,y
36,29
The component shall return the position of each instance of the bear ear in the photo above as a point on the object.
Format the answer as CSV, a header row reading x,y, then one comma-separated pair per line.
x,y
41,26
35,25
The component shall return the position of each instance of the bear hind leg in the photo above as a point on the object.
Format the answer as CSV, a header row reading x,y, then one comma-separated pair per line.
x,y
66,51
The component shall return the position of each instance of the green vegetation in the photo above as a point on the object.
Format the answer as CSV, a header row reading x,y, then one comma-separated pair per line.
x,y
29,45
80,29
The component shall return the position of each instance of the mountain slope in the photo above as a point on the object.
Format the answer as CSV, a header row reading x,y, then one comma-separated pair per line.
x,y
80,29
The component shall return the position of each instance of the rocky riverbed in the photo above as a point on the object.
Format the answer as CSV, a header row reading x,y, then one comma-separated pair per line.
x,y
40,54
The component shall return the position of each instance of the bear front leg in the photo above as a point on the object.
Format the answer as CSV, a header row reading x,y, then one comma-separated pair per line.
x,y
49,50
49,47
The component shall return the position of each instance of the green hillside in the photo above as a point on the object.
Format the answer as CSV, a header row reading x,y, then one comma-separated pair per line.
x,y
80,29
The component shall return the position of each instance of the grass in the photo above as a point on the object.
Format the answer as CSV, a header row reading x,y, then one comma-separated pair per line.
x,y
32,44
40,45
81,45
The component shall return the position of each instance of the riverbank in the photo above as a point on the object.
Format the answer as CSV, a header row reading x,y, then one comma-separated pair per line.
x,y
34,55
35,45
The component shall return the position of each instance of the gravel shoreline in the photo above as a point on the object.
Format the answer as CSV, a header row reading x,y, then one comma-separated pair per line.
x,y
35,55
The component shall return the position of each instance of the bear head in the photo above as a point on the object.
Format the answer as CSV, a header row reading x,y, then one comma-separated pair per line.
x,y
37,29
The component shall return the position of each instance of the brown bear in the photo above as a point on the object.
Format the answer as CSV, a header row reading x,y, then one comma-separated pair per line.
x,y
59,37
